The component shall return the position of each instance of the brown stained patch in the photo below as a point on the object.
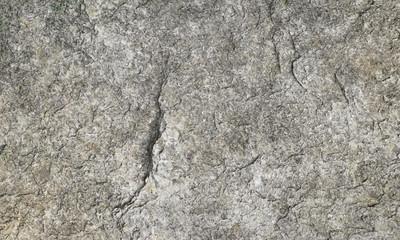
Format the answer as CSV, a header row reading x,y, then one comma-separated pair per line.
x,y
368,66
44,58
150,188
271,67
373,67
93,147
26,24
235,228
372,202
236,140
316,42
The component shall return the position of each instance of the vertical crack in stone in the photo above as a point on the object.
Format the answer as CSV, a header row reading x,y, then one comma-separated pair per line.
x,y
274,29
292,62
341,87
276,52
294,75
155,134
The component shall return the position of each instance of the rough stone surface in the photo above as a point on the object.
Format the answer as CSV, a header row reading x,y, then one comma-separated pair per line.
x,y
273,119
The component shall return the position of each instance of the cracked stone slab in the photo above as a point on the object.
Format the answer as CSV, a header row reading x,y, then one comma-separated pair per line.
x,y
147,119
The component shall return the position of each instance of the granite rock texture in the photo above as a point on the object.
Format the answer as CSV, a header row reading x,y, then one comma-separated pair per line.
x,y
273,119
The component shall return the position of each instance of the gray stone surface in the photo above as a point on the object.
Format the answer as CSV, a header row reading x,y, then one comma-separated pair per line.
x,y
274,119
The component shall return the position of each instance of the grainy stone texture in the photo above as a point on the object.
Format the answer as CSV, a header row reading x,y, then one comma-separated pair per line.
x,y
274,119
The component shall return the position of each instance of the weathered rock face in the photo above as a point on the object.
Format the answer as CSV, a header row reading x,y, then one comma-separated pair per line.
x,y
273,119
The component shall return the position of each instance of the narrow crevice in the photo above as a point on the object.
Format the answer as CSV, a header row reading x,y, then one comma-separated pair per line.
x,y
254,160
292,62
276,53
273,33
341,87
154,135
294,75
